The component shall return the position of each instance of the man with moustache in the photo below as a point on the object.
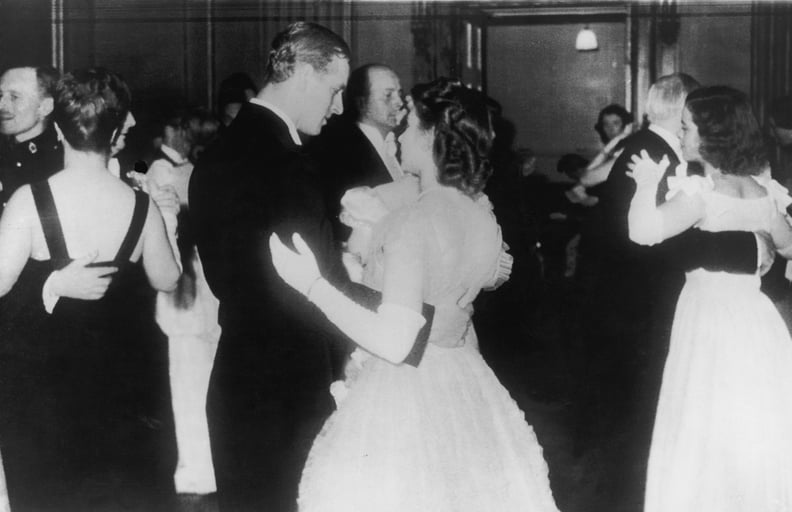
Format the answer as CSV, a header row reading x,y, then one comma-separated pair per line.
x,y
269,389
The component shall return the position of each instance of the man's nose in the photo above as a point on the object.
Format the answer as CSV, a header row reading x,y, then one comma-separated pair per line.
x,y
338,105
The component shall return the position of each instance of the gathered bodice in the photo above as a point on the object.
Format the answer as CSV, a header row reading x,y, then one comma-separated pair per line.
x,y
453,241
728,213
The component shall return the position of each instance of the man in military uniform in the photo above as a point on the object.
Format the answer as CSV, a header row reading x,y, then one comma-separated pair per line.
x,y
30,150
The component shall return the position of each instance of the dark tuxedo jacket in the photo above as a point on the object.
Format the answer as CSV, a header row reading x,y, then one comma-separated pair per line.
x,y
610,234
347,159
23,163
255,181
269,389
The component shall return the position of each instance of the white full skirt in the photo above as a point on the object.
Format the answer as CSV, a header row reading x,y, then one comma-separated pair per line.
x,y
443,437
723,432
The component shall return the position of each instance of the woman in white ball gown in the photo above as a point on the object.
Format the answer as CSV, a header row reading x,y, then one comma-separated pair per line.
x,y
722,432
443,435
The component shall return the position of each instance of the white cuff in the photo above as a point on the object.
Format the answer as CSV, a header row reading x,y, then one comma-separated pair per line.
x,y
389,333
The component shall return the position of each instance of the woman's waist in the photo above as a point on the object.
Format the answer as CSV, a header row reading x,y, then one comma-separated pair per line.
x,y
722,280
451,326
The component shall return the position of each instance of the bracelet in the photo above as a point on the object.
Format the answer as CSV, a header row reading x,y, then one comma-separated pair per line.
x,y
311,286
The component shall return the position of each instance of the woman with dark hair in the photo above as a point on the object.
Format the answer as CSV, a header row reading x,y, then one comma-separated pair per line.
x,y
442,435
614,123
722,432
91,429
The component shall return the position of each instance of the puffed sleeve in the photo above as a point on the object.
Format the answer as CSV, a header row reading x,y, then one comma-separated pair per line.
x,y
690,185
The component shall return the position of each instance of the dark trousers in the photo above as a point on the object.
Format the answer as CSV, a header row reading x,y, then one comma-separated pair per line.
x,y
628,327
261,428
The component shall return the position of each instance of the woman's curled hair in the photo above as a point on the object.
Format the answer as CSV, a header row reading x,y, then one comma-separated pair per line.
x,y
463,132
731,139
90,105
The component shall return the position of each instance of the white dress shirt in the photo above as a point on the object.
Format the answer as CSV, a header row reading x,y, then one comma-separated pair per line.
x,y
386,149
670,138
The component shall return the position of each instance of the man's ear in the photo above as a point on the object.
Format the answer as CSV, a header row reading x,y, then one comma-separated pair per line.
x,y
46,107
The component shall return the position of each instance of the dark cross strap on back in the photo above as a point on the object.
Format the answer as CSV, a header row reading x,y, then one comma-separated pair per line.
x,y
50,222
135,228
53,232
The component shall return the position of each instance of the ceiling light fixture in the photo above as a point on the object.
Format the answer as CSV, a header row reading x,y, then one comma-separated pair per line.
x,y
586,40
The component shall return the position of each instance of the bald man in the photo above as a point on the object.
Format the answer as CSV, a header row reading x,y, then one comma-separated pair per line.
x,y
359,148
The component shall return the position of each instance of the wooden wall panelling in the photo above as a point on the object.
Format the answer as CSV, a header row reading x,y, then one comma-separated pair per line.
x,y
771,54
25,33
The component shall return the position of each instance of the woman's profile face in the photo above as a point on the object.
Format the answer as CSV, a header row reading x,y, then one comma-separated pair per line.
x,y
612,125
689,138
416,144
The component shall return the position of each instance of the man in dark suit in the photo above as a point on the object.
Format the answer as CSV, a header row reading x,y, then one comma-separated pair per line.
x,y
359,148
632,291
269,389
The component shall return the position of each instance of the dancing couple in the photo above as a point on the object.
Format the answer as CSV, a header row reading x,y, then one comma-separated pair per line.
x,y
441,434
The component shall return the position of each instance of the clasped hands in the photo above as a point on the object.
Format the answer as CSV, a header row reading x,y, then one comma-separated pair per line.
x,y
645,171
164,196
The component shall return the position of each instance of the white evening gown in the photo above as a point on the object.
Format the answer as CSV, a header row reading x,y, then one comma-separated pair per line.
x,y
723,433
445,436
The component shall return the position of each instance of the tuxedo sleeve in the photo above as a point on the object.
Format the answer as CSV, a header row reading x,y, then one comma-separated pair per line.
x,y
306,215
734,252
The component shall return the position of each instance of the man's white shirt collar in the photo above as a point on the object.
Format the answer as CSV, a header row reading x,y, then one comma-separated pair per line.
x,y
670,138
280,113
173,154
387,154
374,136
